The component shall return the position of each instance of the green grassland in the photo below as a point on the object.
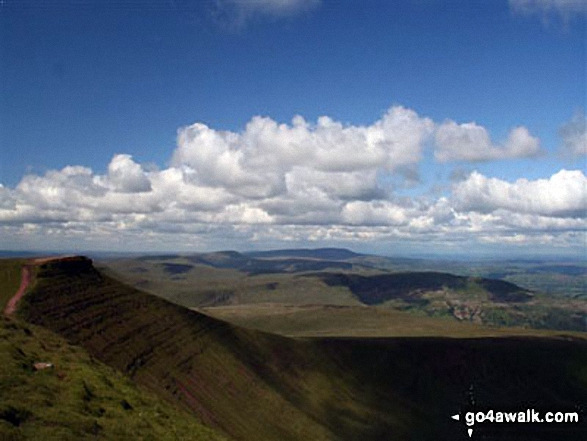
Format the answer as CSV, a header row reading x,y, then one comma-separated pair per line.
x,y
361,321
203,285
559,278
556,284
231,279
555,277
252,385
9,279
79,397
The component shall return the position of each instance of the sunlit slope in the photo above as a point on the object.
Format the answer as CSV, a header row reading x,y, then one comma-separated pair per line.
x,y
361,321
189,283
257,386
78,398
230,279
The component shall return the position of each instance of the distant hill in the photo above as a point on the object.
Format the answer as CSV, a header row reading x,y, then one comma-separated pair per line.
x,y
410,287
256,386
307,253
255,265
229,278
559,278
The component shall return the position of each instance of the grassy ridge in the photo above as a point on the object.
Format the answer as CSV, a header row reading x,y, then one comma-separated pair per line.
x,y
9,279
233,379
257,386
78,398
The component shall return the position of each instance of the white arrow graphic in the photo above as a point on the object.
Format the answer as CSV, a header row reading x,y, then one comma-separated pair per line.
x,y
457,417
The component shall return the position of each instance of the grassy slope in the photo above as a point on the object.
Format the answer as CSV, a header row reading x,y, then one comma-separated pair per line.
x,y
207,286
256,386
9,279
358,321
80,397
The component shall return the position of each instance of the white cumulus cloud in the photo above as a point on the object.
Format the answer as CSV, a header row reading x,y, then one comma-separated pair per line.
x,y
266,157
564,194
471,142
312,181
126,176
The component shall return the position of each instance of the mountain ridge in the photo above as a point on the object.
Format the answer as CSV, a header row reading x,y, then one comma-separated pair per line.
x,y
238,380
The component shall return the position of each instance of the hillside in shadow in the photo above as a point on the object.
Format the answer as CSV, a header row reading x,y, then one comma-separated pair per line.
x,y
409,286
252,385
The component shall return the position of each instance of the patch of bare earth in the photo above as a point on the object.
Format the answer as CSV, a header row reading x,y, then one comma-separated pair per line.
x,y
26,278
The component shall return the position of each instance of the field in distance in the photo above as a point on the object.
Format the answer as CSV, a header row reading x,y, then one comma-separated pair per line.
x,y
338,292
357,321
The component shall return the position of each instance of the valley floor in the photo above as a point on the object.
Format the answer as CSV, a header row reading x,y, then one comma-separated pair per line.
x,y
361,321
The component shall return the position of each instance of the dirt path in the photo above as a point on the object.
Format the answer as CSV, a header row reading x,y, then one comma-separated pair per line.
x,y
41,260
25,280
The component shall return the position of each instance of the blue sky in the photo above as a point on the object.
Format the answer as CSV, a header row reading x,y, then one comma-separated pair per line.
x,y
136,125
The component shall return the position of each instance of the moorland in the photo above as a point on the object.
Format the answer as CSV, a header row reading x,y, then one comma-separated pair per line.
x,y
300,292
285,345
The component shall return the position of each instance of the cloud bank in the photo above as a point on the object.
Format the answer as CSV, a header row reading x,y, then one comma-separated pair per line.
x,y
563,195
471,142
304,181
564,8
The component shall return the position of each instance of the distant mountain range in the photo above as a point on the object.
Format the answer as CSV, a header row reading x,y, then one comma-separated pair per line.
x,y
308,253
266,262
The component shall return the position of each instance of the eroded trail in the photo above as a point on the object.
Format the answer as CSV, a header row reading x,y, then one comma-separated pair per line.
x,y
25,280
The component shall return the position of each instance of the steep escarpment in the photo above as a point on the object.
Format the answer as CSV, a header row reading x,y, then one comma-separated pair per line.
x,y
249,384
257,386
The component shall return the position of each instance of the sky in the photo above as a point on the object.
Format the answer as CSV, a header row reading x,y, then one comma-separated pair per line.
x,y
399,128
